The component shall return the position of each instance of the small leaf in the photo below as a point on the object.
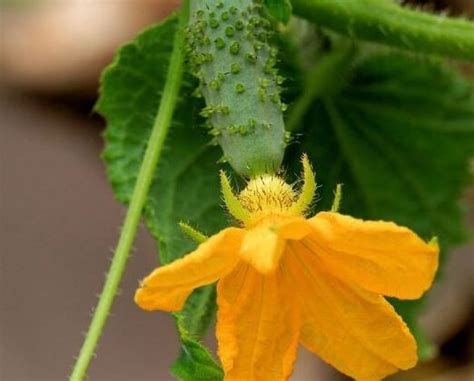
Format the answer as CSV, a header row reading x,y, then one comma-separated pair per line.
x,y
195,362
186,182
279,9
399,137
199,310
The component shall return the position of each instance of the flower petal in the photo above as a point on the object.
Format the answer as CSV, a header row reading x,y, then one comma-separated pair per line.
x,y
264,244
257,326
356,331
294,228
262,248
167,287
378,256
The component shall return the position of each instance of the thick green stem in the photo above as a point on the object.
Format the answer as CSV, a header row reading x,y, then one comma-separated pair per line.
x,y
145,176
387,22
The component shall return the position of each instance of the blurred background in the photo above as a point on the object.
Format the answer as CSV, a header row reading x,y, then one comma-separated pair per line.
x,y
59,220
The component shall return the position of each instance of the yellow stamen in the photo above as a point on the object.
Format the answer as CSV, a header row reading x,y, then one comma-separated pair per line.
x,y
268,194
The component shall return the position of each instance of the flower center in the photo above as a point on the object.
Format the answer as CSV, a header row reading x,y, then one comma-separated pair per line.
x,y
267,194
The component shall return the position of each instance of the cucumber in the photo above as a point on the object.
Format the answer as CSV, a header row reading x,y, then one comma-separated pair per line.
x,y
230,54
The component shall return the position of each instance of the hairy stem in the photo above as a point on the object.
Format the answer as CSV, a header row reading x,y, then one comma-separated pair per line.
x,y
387,22
145,176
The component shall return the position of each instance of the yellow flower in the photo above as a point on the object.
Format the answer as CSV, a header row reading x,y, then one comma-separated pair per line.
x,y
284,280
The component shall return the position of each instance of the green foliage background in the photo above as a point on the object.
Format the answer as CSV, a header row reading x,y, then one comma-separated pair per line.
x,y
397,131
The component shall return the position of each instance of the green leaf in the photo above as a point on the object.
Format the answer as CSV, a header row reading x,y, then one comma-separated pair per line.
x,y
186,184
130,94
399,137
199,310
195,362
279,9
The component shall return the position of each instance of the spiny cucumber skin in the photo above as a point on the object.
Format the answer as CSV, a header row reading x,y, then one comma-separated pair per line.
x,y
230,54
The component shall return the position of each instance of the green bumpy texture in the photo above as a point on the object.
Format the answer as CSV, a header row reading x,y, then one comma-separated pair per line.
x,y
229,52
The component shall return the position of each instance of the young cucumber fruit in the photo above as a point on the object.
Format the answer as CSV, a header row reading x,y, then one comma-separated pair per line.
x,y
230,54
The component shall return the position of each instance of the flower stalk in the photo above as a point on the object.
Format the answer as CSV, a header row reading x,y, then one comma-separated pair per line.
x,y
390,23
